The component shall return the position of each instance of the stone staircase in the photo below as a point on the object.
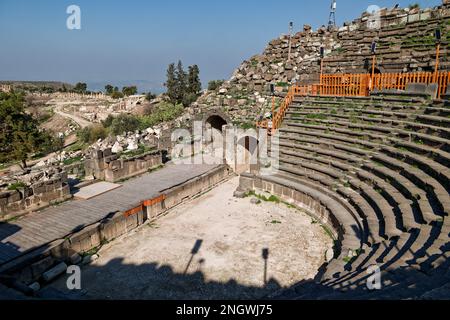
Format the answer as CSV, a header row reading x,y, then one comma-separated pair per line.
x,y
386,160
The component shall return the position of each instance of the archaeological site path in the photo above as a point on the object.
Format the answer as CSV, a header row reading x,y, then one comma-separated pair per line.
x,y
38,229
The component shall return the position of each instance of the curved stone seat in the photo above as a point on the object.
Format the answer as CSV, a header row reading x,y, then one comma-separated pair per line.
x,y
400,120
417,176
433,169
389,161
384,213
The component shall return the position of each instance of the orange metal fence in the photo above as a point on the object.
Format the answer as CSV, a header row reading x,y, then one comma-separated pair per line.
x,y
350,85
279,116
347,85
355,85
399,81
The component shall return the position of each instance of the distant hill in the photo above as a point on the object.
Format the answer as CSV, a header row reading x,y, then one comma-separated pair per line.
x,y
37,85
94,86
142,85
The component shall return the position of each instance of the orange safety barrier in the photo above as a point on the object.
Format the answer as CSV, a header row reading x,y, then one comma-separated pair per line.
x,y
133,211
154,201
279,116
344,85
399,81
147,203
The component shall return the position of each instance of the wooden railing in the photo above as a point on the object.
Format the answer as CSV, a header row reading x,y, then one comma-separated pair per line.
x,y
355,85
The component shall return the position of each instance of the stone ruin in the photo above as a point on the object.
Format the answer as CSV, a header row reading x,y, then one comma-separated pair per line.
x,y
5,88
108,166
32,190
405,40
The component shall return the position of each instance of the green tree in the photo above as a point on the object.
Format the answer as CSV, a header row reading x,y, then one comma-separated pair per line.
x,y
124,123
129,91
92,133
171,83
116,95
215,84
109,89
181,82
194,84
150,96
19,134
80,87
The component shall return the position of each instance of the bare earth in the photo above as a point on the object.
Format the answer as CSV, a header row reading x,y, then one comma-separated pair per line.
x,y
154,261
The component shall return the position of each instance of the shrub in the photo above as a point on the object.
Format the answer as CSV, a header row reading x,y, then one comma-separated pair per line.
x,y
162,113
215,84
108,121
92,133
116,95
124,123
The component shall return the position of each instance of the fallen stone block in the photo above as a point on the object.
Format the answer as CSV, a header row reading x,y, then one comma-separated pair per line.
x,y
54,272
90,259
35,286
75,258
239,194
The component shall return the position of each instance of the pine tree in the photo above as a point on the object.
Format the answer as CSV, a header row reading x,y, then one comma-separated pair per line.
x,y
171,83
194,84
181,83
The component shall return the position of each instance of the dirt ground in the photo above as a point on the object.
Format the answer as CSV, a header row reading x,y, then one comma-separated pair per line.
x,y
214,247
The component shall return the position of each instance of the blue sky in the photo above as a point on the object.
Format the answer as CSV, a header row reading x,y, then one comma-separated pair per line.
x,y
126,41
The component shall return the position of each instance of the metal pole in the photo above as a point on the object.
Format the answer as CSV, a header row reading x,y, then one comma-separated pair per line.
x,y
374,60
321,70
290,40
436,70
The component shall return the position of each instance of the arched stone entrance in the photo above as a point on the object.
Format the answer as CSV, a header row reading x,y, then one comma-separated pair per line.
x,y
247,155
213,125
216,122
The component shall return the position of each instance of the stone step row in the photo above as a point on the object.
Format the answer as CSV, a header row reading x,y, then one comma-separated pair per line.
x,y
433,168
430,187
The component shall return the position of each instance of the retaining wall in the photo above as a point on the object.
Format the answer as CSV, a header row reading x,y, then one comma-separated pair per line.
x,y
106,166
18,202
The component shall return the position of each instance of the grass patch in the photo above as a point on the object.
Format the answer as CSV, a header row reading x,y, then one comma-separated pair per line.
x,y
153,225
272,198
139,151
320,116
78,146
327,231
72,160
16,186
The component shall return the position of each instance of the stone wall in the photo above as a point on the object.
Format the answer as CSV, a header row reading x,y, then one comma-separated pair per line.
x,y
104,165
14,203
5,88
